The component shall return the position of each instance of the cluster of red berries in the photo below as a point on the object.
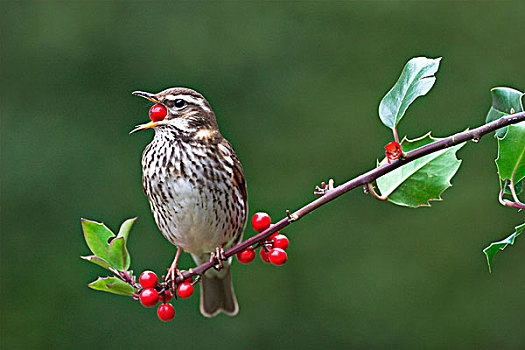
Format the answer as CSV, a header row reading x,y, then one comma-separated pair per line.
x,y
273,250
152,292
157,113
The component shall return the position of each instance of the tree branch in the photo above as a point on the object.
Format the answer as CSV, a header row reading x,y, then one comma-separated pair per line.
x,y
366,178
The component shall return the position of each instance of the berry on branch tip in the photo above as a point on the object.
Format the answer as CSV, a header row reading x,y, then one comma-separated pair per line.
x,y
166,312
157,113
261,221
393,151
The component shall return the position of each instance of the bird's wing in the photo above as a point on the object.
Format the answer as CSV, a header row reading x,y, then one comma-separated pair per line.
x,y
238,179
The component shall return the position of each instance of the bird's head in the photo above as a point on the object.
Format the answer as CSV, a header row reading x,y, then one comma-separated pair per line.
x,y
187,111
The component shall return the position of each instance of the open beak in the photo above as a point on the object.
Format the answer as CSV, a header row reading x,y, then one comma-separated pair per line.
x,y
144,127
153,99
146,95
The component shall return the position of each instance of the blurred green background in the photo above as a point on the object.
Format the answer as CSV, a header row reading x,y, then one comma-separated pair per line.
x,y
296,87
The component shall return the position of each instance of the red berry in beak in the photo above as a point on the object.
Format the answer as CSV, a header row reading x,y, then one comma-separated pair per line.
x,y
157,113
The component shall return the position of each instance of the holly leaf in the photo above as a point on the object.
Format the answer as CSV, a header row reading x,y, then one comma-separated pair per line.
x,y
505,101
97,235
417,78
511,154
494,247
96,260
118,255
422,180
112,285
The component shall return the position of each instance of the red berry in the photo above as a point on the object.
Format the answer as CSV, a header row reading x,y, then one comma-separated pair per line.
x,y
149,297
393,151
166,312
167,296
261,221
264,256
185,290
148,279
280,241
277,256
157,113
246,256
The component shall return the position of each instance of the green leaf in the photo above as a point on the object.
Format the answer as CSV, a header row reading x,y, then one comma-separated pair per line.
x,y
118,255
417,78
125,228
511,153
422,180
97,236
494,247
112,285
504,101
96,260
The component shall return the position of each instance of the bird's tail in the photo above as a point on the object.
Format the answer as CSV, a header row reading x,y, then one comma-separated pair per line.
x,y
217,294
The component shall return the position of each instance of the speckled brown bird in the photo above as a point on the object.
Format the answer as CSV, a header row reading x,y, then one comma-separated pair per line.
x,y
196,189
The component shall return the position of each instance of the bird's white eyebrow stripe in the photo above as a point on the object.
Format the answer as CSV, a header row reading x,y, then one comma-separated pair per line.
x,y
189,99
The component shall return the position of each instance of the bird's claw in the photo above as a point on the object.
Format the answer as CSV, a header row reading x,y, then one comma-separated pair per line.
x,y
172,275
217,257
173,272
171,278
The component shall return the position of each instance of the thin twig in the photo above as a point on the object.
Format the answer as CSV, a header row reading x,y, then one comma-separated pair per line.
x,y
366,178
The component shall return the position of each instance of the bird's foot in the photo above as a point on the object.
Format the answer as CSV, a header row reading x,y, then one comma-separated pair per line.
x,y
217,258
171,277
173,272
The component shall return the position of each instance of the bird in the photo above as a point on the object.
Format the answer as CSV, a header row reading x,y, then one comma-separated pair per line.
x,y
196,189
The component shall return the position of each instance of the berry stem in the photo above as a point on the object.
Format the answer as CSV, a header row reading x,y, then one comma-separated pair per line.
x,y
396,138
507,203
513,190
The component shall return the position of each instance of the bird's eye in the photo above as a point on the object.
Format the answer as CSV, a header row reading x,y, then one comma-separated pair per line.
x,y
180,103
